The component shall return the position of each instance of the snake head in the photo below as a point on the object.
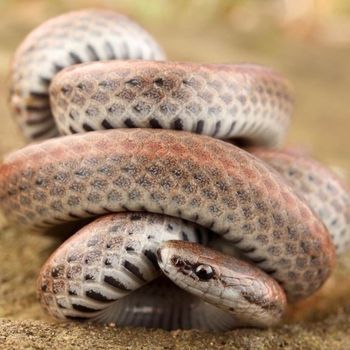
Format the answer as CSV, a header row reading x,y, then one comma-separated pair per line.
x,y
190,265
235,286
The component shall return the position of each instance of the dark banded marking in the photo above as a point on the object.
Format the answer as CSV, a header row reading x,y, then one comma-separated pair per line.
x,y
247,250
125,51
252,126
42,132
91,212
154,123
151,256
129,249
92,53
40,227
129,123
97,296
178,124
75,58
60,305
110,51
72,130
225,232
57,67
243,126
217,128
200,126
39,95
59,219
44,119
88,277
106,124
38,108
211,224
233,124
116,284
108,210
237,241
184,236
258,260
83,308
159,258
258,127
87,127
133,269
199,235
195,218
45,81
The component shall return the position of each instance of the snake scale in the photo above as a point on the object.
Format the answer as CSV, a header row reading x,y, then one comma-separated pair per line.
x,y
192,231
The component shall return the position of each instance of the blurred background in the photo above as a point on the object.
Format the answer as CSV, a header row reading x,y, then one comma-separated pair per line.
x,y
307,40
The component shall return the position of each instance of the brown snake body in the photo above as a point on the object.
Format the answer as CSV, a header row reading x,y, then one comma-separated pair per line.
x,y
175,174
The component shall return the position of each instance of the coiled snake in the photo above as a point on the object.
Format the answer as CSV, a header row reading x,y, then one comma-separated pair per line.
x,y
161,190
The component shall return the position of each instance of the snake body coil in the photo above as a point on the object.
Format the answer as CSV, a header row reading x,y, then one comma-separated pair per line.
x,y
73,38
161,177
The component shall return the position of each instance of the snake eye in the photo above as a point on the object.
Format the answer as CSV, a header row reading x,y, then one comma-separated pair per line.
x,y
204,272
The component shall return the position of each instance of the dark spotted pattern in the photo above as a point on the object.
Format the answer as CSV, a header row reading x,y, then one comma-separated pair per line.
x,y
325,193
179,174
181,96
36,61
106,260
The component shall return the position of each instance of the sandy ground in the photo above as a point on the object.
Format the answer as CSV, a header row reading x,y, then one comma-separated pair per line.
x,y
322,322
321,78
329,334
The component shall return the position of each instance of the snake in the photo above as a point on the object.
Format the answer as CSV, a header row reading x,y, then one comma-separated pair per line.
x,y
190,213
